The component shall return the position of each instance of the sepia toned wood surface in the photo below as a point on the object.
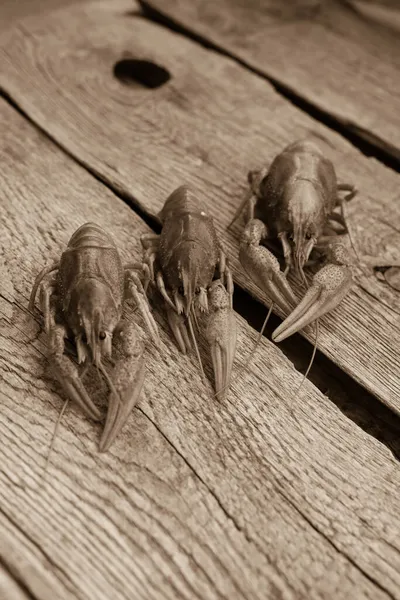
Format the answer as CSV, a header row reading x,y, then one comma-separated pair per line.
x,y
267,494
9,587
144,143
11,11
196,498
338,55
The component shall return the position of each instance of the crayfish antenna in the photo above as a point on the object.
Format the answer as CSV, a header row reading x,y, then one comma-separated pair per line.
x,y
291,409
303,277
196,321
258,340
196,348
42,481
110,384
53,439
312,357
315,341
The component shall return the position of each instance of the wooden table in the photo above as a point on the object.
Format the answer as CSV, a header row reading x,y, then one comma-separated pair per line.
x,y
263,495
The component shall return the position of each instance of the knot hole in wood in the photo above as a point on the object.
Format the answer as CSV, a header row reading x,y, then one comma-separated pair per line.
x,y
145,73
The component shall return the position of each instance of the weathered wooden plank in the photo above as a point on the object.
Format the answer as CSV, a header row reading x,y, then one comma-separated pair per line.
x,y
384,12
324,52
14,10
196,499
9,589
207,126
27,564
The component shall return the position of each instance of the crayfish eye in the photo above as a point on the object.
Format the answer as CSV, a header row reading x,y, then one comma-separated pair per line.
x,y
308,236
102,335
181,290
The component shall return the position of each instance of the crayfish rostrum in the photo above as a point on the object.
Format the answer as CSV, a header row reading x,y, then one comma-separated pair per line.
x,y
182,263
295,202
81,298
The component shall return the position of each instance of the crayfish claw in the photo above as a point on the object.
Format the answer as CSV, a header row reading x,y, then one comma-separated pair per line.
x,y
263,267
330,285
68,376
221,334
126,385
178,327
75,390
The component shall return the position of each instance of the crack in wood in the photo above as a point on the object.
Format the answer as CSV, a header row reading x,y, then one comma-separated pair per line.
x,y
329,541
290,502
35,544
199,477
18,580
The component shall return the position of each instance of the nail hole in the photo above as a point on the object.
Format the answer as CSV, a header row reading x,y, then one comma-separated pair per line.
x,y
144,72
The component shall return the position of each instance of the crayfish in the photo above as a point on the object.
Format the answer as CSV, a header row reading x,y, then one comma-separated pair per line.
x,y
295,202
182,262
81,298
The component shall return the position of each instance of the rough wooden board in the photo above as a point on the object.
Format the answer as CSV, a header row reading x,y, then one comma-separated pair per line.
x,y
9,589
383,12
196,499
27,564
14,10
324,52
206,127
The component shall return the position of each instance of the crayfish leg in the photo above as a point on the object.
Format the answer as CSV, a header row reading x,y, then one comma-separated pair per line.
x,y
226,275
352,191
47,290
248,202
150,243
45,271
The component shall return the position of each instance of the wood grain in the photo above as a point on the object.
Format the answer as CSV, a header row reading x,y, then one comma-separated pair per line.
x,y
9,589
206,127
326,53
252,498
14,10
